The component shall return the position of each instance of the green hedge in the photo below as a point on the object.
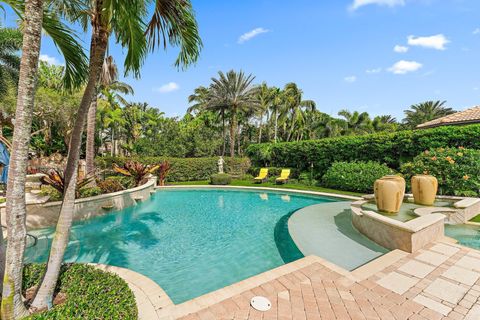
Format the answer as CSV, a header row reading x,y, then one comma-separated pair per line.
x,y
184,169
90,293
393,149
354,176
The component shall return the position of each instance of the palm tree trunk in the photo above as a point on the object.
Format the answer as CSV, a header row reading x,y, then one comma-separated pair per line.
x,y
91,122
16,212
260,130
224,133
276,126
98,48
233,127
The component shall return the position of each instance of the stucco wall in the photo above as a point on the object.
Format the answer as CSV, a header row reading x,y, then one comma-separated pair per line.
x,y
392,234
40,215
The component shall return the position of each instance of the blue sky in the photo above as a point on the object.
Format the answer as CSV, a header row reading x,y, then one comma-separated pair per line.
x,y
378,56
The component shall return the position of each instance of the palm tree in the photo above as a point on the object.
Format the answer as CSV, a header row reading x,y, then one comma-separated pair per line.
x,y
356,122
426,111
277,98
173,22
108,80
294,107
34,17
203,101
10,45
265,98
383,123
234,93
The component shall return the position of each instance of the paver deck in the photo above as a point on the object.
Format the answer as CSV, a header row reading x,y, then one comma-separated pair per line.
x,y
441,281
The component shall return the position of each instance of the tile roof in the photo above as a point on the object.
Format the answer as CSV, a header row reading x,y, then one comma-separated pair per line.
x,y
471,115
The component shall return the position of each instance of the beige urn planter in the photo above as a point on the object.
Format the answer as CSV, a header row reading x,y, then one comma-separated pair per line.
x,y
424,189
389,193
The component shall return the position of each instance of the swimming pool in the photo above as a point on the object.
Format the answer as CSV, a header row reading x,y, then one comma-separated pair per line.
x,y
191,241
467,235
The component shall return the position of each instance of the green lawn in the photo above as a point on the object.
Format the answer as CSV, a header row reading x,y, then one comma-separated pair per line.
x,y
247,183
476,219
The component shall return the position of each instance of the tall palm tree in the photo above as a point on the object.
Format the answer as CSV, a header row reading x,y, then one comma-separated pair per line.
x,y
108,80
294,107
265,98
10,45
426,111
383,123
234,92
277,99
35,17
173,22
203,100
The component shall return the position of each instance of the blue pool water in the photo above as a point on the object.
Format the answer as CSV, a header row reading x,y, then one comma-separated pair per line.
x,y
467,235
190,241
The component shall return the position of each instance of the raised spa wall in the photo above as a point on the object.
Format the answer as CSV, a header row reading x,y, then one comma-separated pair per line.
x,y
41,214
412,235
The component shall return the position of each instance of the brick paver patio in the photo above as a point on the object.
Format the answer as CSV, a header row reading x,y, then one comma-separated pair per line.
x,y
438,282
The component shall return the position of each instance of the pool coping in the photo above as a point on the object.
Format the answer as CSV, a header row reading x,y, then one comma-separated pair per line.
x,y
315,193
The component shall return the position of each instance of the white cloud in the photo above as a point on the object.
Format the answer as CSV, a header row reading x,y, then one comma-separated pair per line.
x,y
251,34
476,31
390,3
350,79
373,71
168,87
48,59
437,42
400,49
403,67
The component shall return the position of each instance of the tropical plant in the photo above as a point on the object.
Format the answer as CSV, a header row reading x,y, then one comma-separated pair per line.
x,y
426,111
10,45
56,179
162,172
356,122
35,17
172,22
293,113
136,170
234,92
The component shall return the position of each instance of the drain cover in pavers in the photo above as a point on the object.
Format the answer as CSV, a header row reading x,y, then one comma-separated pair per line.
x,y
260,303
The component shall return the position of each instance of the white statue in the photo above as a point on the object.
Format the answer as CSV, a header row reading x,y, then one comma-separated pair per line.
x,y
220,164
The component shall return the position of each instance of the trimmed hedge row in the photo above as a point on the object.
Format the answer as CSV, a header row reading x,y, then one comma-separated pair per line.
x,y
184,169
392,149
354,176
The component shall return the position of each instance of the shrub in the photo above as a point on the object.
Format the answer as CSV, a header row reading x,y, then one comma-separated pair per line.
x,y
457,169
86,192
220,179
136,170
50,191
185,169
110,185
392,149
354,176
91,293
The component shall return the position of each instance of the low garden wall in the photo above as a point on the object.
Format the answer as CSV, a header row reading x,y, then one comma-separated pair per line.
x,y
41,214
393,234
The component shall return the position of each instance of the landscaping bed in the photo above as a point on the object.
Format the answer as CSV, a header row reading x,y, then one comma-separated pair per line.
x,y
83,292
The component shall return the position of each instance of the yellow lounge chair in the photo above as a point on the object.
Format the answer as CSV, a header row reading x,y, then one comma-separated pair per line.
x,y
262,175
284,175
